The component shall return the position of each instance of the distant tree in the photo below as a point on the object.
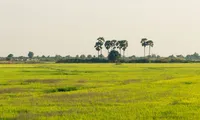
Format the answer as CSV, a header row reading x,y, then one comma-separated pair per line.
x,y
68,56
113,44
43,56
9,57
150,44
132,57
144,43
98,46
30,55
57,57
21,58
101,56
82,56
114,56
108,45
124,46
171,56
77,56
89,56
119,45
195,56
153,56
180,56
101,41
158,56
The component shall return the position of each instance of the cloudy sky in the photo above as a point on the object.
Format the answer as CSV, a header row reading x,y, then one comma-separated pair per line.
x,y
70,27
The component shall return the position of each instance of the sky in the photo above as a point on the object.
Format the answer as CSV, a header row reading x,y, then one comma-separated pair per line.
x,y
71,27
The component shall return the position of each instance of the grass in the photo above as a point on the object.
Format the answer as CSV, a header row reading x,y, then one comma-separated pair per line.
x,y
99,91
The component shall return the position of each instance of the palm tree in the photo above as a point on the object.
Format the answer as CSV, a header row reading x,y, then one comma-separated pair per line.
x,y
101,40
113,44
150,44
124,46
144,44
98,46
107,45
119,45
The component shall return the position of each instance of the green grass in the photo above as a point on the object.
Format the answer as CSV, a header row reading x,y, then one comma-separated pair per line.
x,y
99,91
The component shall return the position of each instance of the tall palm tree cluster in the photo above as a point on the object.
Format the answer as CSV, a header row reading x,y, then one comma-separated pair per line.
x,y
145,42
111,45
121,45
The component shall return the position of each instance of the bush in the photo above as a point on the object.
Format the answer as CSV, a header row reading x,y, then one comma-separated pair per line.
x,y
114,56
63,89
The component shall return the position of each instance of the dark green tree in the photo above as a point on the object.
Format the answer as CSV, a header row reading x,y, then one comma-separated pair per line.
x,y
30,55
82,56
98,46
108,45
101,56
144,44
57,57
124,46
113,44
150,44
101,41
89,56
114,56
119,45
9,57
77,56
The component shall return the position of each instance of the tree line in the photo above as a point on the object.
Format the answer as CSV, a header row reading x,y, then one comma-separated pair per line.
x,y
116,53
30,58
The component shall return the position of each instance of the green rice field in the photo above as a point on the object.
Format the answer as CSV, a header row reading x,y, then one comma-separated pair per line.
x,y
99,92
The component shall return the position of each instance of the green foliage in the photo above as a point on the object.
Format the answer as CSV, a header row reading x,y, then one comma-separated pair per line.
x,y
89,56
30,55
114,56
99,44
108,45
63,89
144,42
113,44
82,56
87,60
9,57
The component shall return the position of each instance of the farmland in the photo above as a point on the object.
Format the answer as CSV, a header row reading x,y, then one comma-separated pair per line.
x,y
99,91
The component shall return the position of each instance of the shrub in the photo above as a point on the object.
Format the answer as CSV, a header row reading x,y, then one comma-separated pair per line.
x,y
62,89
114,56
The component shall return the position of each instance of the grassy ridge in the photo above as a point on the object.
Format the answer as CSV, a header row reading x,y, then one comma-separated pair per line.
x,y
99,91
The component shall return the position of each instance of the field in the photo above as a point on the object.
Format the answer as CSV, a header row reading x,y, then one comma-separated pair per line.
x,y
99,91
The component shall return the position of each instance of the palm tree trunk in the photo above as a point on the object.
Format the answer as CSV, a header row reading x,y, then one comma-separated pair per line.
x,y
123,53
149,50
144,51
98,54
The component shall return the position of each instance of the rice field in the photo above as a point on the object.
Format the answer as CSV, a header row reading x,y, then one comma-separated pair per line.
x,y
99,91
